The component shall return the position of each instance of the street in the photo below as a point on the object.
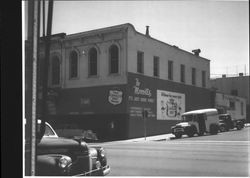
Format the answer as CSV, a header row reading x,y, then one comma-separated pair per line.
x,y
225,154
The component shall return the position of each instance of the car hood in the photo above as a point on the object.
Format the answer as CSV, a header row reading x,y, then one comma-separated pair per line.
x,y
183,124
49,145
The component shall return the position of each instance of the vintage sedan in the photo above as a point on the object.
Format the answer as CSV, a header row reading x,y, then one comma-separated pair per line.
x,y
57,156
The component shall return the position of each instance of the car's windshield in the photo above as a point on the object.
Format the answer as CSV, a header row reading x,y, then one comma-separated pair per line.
x,y
223,118
187,118
49,131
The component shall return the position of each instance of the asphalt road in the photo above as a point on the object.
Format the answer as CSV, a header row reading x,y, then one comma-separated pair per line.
x,y
226,154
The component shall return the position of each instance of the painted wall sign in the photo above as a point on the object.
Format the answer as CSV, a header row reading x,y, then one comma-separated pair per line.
x,y
140,91
170,105
141,96
115,97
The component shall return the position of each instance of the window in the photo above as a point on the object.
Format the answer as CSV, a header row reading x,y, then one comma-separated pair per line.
x,y
182,73
170,70
193,76
203,79
156,66
55,71
234,92
114,59
232,105
73,63
92,62
140,62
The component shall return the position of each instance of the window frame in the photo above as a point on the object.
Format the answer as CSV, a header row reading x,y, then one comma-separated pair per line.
x,y
140,64
76,65
203,78
182,73
170,70
156,66
91,62
110,60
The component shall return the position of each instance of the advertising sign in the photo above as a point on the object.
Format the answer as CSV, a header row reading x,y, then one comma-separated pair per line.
x,y
170,105
141,97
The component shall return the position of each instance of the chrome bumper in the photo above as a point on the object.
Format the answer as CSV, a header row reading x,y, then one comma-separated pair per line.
x,y
101,172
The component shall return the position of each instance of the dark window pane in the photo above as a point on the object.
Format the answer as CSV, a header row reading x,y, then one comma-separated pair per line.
x,y
73,64
114,59
93,62
182,73
140,61
156,66
170,70
234,92
203,78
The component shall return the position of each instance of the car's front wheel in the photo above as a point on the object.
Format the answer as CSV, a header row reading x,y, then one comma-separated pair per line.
x,y
178,135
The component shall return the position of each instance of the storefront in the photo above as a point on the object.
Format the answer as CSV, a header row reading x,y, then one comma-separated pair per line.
x,y
116,111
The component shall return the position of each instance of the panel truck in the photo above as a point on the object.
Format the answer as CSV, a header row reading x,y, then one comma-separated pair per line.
x,y
197,122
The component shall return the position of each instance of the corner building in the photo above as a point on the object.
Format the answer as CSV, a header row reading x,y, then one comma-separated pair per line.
x,y
104,79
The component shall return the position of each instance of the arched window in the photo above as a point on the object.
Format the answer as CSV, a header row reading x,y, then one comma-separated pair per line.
x,y
114,59
55,71
73,64
92,62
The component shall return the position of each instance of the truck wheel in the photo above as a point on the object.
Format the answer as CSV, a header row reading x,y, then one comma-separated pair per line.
x,y
190,134
201,133
213,129
178,135
238,126
191,131
223,128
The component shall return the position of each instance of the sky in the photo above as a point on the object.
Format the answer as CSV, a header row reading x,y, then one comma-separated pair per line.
x,y
219,28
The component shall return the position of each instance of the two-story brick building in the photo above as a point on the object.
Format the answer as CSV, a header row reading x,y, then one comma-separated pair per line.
x,y
104,79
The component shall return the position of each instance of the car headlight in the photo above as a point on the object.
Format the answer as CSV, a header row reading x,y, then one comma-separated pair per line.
x,y
102,152
98,165
64,161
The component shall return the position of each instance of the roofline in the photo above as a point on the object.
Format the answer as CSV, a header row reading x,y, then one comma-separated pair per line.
x,y
123,26
244,76
200,111
173,46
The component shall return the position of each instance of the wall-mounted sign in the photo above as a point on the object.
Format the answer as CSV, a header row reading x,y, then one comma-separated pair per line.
x,y
115,97
141,91
170,105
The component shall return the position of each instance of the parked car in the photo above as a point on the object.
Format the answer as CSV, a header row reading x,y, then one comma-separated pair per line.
x,y
197,122
226,123
58,156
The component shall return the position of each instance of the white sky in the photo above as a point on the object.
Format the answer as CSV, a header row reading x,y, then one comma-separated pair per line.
x,y
219,28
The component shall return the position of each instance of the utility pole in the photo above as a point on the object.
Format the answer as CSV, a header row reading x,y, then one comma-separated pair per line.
x,y
145,115
31,86
31,66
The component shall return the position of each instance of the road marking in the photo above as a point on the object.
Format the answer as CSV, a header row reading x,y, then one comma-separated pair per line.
x,y
211,142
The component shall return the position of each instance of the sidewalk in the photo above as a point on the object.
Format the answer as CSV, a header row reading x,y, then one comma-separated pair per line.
x,y
163,137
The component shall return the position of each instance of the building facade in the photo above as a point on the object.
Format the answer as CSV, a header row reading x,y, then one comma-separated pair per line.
x,y
233,105
105,79
235,86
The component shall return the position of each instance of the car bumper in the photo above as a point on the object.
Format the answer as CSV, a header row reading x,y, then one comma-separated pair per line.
x,y
96,172
178,130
